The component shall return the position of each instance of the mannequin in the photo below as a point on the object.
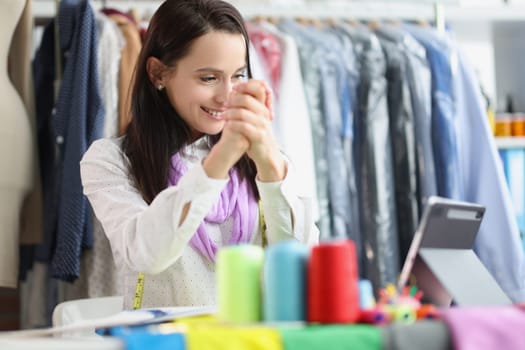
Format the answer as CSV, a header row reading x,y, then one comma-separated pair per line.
x,y
16,146
21,75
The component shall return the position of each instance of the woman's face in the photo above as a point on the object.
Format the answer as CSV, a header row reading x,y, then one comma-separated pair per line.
x,y
199,85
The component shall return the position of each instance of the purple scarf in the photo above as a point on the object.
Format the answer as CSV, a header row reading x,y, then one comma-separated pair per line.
x,y
235,200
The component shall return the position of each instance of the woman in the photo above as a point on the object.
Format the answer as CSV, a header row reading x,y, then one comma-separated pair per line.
x,y
197,157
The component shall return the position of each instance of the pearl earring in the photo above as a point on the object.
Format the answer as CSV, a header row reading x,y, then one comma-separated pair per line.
x,y
160,87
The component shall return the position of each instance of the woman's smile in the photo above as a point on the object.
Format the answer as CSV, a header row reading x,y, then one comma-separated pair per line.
x,y
215,114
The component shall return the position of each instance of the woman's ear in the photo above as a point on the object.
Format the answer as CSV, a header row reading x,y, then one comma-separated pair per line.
x,y
155,69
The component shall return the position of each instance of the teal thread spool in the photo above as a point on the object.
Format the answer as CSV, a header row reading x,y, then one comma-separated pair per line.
x,y
284,282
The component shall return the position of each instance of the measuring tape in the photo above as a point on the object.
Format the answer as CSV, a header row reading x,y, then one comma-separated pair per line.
x,y
139,287
139,292
262,225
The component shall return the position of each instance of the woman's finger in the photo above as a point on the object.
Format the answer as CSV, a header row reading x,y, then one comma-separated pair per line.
x,y
255,88
243,121
243,115
244,101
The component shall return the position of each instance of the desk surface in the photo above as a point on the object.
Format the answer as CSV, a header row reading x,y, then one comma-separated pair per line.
x,y
61,343
426,334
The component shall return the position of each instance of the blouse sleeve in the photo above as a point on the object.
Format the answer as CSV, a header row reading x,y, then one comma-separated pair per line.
x,y
145,237
287,214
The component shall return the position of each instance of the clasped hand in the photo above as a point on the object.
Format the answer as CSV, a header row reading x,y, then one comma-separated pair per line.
x,y
248,128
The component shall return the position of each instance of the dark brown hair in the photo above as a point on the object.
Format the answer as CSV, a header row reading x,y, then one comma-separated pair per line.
x,y
156,130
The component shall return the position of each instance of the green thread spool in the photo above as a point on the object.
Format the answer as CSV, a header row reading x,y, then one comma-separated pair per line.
x,y
239,283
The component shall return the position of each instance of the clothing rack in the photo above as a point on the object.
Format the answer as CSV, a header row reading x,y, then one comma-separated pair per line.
x,y
359,10
370,10
429,10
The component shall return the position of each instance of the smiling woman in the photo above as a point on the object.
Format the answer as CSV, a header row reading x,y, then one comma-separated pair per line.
x,y
196,160
199,85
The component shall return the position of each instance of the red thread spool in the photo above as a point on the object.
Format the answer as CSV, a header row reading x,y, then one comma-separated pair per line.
x,y
333,292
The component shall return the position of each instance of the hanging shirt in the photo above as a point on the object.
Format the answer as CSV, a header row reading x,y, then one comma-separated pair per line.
x,y
75,122
267,45
149,238
401,118
335,99
498,243
348,108
375,174
419,80
310,56
444,135
292,117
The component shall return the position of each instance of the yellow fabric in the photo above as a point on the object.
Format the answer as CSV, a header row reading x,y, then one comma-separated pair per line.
x,y
222,337
195,322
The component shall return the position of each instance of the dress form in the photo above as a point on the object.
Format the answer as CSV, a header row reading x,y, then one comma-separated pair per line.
x,y
21,75
16,146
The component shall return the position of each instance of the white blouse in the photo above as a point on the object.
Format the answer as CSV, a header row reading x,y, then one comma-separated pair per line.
x,y
148,238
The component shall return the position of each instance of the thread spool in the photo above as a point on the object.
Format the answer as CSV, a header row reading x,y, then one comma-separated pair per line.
x,y
517,124
284,289
366,294
333,295
238,283
503,125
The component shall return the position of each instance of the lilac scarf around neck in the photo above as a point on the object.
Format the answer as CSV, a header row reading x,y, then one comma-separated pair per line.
x,y
236,200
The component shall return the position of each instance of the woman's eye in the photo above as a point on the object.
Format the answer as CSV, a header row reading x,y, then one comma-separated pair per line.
x,y
240,76
208,79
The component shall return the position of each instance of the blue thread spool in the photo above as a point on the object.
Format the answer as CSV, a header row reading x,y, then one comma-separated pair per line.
x,y
366,294
284,285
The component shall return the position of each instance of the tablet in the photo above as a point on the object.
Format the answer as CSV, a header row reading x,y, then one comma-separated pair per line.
x,y
441,261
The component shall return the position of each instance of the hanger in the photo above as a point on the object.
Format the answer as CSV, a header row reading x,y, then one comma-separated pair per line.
x,y
302,20
393,22
353,22
331,21
316,23
269,19
134,13
257,19
272,20
422,23
374,25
